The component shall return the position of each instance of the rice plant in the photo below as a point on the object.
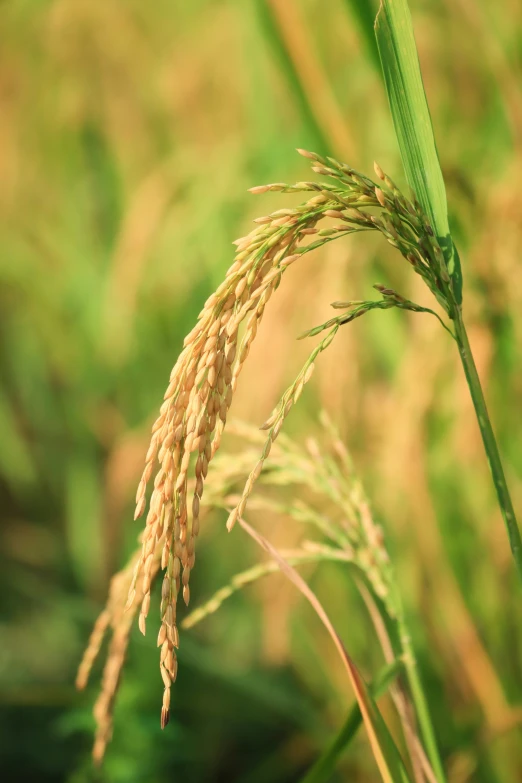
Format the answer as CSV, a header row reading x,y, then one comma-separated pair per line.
x,y
188,431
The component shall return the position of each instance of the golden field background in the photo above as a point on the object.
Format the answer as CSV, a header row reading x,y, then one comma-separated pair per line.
x,y
129,135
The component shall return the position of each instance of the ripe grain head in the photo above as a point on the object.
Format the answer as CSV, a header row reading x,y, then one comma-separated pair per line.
x,y
187,432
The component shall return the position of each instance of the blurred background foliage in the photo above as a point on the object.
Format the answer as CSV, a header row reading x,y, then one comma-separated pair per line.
x,y
129,134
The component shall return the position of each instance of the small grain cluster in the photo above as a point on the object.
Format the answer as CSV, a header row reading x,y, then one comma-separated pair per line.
x,y
322,493
117,617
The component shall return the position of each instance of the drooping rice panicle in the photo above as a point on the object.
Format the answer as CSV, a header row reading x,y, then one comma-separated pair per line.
x,y
188,430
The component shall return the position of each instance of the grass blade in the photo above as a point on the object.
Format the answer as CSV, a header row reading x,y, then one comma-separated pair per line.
x,y
385,751
412,121
325,765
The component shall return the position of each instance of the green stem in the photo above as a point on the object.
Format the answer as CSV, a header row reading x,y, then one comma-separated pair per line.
x,y
325,765
417,693
488,438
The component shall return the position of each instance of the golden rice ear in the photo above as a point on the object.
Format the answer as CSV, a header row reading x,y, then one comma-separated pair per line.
x,y
202,385
187,432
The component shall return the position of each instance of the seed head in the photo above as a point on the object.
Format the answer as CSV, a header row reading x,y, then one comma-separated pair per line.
x,y
188,429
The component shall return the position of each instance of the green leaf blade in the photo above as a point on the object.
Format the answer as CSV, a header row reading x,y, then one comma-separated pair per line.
x,y
325,766
412,121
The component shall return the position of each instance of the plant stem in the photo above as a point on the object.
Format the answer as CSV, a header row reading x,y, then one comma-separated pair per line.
x,y
417,694
488,438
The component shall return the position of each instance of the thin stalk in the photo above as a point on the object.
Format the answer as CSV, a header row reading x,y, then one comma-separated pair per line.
x,y
488,438
325,765
417,694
